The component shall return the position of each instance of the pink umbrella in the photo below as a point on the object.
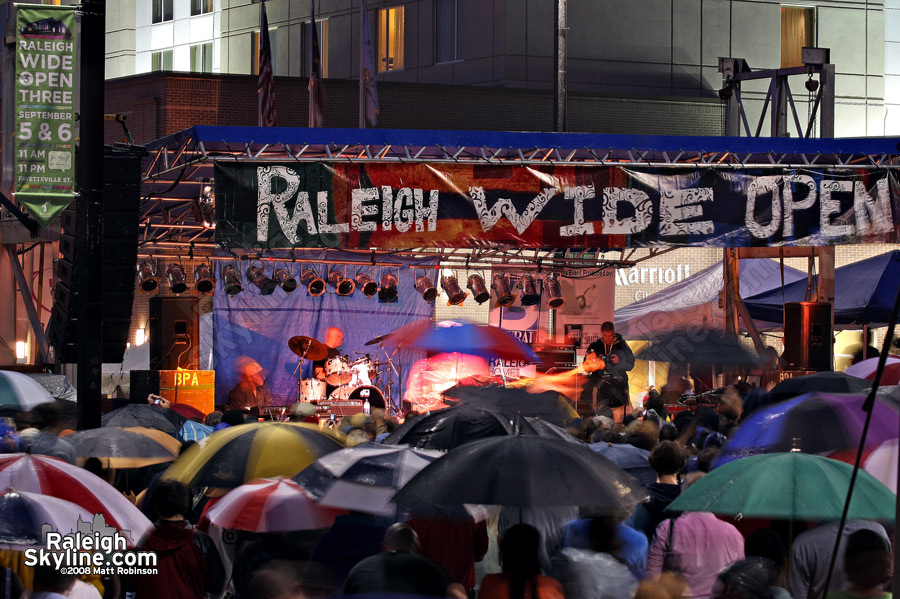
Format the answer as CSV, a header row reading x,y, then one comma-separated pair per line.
x,y
448,336
271,505
55,478
867,368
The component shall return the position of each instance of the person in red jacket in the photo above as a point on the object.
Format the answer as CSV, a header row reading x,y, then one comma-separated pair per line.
x,y
188,564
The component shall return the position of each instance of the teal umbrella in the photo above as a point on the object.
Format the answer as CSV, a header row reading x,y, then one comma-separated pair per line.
x,y
787,486
21,392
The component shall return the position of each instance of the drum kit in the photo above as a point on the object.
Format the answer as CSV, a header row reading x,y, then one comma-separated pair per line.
x,y
357,383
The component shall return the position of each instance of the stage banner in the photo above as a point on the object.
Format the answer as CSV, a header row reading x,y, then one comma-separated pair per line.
x,y
527,323
250,325
397,205
45,110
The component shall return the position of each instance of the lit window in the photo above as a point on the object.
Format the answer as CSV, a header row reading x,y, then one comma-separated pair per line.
x,y
305,45
201,7
254,51
797,30
162,10
201,58
162,61
446,31
390,39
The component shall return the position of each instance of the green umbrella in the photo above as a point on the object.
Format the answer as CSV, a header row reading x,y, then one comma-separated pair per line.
x,y
787,486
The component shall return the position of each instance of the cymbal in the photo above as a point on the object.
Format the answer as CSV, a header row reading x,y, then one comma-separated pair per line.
x,y
377,339
307,347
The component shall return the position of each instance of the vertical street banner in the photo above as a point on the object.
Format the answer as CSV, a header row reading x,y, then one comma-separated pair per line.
x,y
44,168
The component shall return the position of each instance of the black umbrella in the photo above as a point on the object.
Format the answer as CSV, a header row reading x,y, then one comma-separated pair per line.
x,y
548,430
523,471
824,382
698,346
633,460
549,405
118,448
452,427
141,414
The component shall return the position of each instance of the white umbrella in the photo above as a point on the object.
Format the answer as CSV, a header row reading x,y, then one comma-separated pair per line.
x,y
22,392
23,517
270,505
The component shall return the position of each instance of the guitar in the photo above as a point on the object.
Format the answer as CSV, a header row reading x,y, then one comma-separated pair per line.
x,y
592,363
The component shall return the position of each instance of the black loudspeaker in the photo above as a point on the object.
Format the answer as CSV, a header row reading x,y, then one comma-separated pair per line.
x,y
143,383
118,256
808,339
174,333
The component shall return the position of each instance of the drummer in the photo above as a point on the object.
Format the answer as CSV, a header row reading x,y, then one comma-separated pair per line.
x,y
334,337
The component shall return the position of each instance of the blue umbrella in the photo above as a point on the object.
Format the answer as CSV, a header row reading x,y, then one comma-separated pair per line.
x,y
864,293
633,460
194,431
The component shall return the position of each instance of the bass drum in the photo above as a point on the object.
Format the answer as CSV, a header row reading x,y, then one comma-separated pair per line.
x,y
373,394
340,393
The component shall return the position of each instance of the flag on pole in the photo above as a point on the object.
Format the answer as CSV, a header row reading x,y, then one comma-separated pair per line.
x,y
266,85
315,72
368,92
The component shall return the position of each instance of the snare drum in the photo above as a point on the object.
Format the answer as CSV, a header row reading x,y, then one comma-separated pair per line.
x,y
362,371
312,390
337,371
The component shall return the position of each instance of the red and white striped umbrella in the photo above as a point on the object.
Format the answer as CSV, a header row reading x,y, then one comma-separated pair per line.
x,y
271,505
867,368
55,478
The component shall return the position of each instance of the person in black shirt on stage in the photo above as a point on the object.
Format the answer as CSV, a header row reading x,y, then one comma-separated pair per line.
x,y
607,387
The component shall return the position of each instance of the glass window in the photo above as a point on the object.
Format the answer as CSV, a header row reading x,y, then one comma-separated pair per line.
x,y
797,30
254,51
390,39
446,31
161,61
322,33
201,58
201,7
162,10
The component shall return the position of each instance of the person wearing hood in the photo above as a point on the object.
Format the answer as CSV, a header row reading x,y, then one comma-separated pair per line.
x,y
607,386
187,560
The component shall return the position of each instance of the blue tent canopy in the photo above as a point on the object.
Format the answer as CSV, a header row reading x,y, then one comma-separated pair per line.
x,y
864,293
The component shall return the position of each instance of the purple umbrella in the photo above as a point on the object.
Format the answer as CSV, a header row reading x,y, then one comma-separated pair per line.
x,y
819,422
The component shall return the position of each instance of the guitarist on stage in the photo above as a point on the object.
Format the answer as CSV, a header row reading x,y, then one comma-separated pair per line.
x,y
608,361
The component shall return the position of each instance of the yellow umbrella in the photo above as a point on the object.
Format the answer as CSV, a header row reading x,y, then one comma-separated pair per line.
x,y
234,455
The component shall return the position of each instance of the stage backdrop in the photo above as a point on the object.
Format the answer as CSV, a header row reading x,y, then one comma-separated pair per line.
x,y
401,205
259,327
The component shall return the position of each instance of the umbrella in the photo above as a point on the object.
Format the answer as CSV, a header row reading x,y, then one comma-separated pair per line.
x,y
364,478
21,392
24,515
548,430
880,461
448,428
828,382
633,460
466,338
119,448
549,405
867,369
819,422
523,471
194,431
142,414
187,411
241,453
787,486
270,505
56,478
172,444
698,346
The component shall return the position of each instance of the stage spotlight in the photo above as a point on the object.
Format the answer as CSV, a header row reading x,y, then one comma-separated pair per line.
x,y
342,285
149,282
313,282
530,295
232,280
387,292
479,290
365,282
426,288
501,286
285,279
177,278
205,281
259,278
207,205
450,285
554,292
